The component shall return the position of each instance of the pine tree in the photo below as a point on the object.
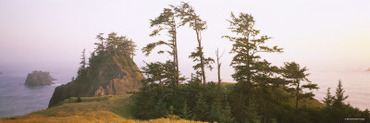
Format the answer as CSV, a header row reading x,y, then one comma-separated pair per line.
x,y
165,21
185,112
336,110
160,73
250,70
170,113
295,75
131,48
83,69
100,46
83,59
247,63
155,72
114,45
328,100
187,15
215,107
339,96
226,116
200,109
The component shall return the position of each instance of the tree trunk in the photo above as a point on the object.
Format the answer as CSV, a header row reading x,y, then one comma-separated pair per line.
x,y
297,97
249,74
218,67
177,62
175,55
201,54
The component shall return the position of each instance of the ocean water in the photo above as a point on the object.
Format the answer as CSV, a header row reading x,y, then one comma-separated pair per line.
x,y
355,84
19,99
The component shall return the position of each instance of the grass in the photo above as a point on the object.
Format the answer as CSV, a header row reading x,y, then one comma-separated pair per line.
x,y
107,109
90,109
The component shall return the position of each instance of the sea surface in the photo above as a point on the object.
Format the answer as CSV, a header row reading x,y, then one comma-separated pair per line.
x,y
356,85
19,99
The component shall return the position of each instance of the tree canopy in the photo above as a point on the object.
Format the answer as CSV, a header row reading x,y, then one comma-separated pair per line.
x,y
263,93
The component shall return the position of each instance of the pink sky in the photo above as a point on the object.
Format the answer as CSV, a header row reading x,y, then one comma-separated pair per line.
x,y
50,34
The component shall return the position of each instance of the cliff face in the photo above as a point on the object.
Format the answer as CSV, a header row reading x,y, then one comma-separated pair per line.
x,y
113,75
39,78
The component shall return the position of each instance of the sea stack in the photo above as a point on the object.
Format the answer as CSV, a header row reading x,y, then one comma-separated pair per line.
x,y
108,75
39,78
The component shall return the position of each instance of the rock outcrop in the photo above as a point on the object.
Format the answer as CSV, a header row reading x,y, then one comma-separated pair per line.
x,y
39,78
112,75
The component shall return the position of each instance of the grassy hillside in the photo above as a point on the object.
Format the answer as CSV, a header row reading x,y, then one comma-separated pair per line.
x,y
106,109
88,109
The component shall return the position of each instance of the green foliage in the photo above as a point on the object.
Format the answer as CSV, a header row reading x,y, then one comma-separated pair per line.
x,y
114,45
198,56
157,92
226,116
160,73
82,71
254,75
170,113
211,103
187,14
192,101
185,112
328,100
336,110
215,110
339,96
247,63
263,92
83,60
294,76
200,109
165,21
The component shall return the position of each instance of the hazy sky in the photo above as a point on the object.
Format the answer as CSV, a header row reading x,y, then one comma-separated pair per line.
x,y
330,35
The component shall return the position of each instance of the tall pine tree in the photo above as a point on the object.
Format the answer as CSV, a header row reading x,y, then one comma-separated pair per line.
x,y
165,21
251,71
188,16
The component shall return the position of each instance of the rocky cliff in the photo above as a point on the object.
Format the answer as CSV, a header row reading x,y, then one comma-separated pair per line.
x,y
112,75
39,78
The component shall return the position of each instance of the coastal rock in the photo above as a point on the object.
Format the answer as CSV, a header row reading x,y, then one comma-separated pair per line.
x,y
39,78
113,75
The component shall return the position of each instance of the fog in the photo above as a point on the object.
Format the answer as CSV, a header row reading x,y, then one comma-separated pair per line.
x,y
50,35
